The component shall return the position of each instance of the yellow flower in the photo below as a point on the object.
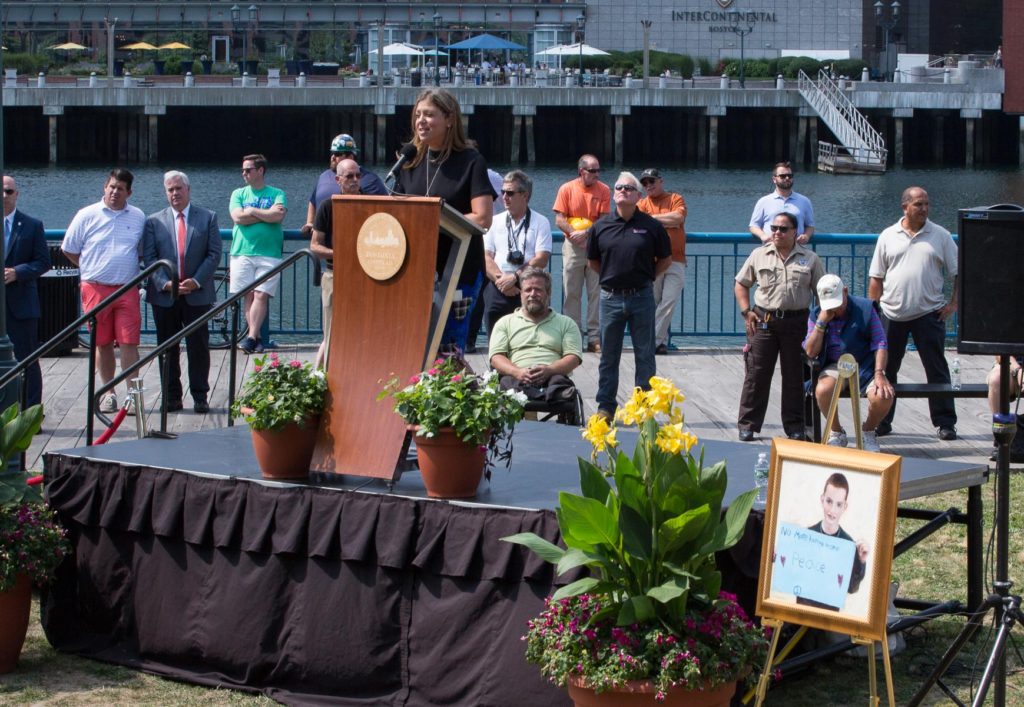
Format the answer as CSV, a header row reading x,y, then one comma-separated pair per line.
x,y
636,411
672,439
599,433
664,395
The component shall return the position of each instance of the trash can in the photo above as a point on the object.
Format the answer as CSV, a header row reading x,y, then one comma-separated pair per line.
x,y
59,301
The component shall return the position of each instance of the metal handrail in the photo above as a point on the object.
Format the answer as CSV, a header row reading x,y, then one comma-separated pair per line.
x,y
834,99
175,339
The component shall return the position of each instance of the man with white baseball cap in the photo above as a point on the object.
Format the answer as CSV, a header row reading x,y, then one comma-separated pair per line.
x,y
843,323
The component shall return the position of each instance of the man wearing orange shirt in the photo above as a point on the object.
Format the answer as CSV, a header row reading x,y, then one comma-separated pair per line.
x,y
585,198
669,209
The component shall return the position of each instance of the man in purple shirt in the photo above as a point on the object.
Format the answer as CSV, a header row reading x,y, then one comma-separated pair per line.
x,y
846,324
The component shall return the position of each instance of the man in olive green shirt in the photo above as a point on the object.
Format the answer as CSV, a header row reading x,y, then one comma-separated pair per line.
x,y
534,349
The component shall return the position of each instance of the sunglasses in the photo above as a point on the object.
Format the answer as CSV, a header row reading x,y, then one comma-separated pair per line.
x,y
509,192
246,170
781,229
625,187
596,170
784,176
647,182
8,192
348,176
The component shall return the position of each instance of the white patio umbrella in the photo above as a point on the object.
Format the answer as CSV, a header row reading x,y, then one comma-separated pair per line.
x,y
577,49
400,49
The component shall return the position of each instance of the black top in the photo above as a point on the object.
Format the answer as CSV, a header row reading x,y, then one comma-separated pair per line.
x,y
457,180
324,221
627,249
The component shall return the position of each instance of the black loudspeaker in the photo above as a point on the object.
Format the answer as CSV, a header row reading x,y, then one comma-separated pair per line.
x,y
991,268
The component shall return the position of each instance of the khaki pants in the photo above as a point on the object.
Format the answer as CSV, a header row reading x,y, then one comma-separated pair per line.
x,y
327,303
575,274
667,290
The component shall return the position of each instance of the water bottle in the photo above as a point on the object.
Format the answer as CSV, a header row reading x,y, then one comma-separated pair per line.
x,y
954,374
761,479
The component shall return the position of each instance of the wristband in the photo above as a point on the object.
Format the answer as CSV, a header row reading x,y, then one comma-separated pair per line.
x,y
745,312
820,326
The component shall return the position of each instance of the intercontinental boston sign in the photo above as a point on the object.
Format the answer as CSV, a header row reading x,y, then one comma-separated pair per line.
x,y
722,19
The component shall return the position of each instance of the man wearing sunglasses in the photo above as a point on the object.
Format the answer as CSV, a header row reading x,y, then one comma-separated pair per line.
x,y
342,147
629,250
347,176
783,198
668,208
580,202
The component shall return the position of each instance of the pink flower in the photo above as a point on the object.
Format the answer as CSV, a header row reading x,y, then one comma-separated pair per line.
x,y
414,379
273,356
295,364
432,371
438,361
257,369
274,363
456,378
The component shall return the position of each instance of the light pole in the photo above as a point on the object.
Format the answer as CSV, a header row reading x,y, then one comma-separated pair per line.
x,y
646,24
738,20
111,24
236,20
887,21
581,20
437,57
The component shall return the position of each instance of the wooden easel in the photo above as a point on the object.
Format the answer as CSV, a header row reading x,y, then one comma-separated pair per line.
x,y
849,375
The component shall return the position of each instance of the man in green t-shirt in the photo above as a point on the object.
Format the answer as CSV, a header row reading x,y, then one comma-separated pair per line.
x,y
257,242
535,349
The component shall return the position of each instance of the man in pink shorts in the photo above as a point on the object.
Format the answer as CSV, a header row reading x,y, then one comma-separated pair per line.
x,y
105,241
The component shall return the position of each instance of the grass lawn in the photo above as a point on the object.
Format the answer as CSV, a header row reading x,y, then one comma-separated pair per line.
x,y
935,570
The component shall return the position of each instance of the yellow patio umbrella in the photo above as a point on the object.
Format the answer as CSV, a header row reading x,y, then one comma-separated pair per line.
x,y
143,46
174,45
69,46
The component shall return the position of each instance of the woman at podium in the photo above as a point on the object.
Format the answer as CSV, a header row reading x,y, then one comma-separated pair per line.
x,y
447,165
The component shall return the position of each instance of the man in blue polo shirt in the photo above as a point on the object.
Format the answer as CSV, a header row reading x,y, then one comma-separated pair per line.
x,y
845,324
628,249
782,199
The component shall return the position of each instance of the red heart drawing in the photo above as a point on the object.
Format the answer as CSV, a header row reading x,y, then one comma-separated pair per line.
x,y
783,558
840,579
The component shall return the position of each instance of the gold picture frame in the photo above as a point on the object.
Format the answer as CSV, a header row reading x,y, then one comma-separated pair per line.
x,y
806,558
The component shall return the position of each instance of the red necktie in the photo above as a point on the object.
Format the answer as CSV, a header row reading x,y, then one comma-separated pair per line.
x,y
181,246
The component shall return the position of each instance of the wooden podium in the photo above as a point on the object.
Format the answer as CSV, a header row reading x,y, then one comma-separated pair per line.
x,y
387,321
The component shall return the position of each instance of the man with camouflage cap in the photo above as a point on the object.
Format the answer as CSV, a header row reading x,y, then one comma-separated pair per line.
x,y
342,147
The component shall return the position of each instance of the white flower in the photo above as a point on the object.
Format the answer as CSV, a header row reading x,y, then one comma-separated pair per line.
x,y
317,373
488,391
490,375
516,395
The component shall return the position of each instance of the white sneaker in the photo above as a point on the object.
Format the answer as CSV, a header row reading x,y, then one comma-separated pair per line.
x,y
870,441
131,406
108,403
837,439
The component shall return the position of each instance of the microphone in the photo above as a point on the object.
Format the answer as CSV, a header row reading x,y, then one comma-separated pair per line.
x,y
407,152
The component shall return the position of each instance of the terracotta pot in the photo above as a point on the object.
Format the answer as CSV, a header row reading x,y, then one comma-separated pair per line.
x,y
286,452
637,693
15,606
450,467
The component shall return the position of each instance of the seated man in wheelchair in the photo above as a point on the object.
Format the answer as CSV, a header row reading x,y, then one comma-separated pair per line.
x,y
534,349
847,324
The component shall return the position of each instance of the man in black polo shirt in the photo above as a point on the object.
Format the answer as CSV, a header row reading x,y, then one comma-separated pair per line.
x,y
322,245
628,249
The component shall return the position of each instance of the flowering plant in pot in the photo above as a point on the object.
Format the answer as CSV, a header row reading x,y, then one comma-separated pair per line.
x,y
32,543
449,402
282,402
650,615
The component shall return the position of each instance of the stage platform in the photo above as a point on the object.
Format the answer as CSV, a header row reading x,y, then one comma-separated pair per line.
x,y
336,591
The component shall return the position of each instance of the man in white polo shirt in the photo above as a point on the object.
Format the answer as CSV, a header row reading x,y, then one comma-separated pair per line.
x,y
105,241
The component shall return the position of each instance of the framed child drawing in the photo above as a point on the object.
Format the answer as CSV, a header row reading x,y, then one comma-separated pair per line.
x,y
828,538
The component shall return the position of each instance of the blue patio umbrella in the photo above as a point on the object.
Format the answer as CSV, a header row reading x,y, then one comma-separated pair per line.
x,y
485,41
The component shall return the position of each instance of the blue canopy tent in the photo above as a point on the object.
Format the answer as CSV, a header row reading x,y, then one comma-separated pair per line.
x,y
485,41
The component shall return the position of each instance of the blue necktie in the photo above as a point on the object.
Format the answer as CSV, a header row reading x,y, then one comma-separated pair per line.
x,y
7,236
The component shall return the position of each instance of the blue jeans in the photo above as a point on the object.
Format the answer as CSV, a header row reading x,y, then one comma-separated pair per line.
x,y
617,310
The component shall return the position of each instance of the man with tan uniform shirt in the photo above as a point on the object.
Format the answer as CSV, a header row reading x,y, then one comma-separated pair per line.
x,y
786,273
669,209
584,198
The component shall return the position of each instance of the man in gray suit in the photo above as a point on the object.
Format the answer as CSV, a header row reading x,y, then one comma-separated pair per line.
x,y
188,236
26,258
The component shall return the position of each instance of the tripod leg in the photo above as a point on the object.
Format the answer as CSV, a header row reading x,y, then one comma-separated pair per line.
x,y
966,633
996,666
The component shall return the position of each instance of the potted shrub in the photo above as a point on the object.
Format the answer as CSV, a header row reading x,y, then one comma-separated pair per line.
x,y
650,618
282,403
462,422
32,543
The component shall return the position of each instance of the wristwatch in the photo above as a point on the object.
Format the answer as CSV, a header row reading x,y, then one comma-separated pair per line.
x,y
744,312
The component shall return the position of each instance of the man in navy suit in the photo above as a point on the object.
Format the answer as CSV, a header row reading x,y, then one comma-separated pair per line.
x,y
188,236
26,258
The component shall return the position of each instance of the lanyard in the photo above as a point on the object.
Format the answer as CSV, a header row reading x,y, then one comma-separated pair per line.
x,y
512,234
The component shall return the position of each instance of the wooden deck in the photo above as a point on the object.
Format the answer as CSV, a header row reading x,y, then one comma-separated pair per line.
x,y
709,377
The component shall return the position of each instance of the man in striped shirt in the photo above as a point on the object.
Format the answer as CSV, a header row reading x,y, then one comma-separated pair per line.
x,y
846,324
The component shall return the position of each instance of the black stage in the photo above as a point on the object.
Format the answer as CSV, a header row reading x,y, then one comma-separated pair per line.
x,y
188,564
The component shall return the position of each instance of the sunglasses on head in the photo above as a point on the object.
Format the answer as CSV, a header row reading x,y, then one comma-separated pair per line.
x,y
594,170
783,229
625,187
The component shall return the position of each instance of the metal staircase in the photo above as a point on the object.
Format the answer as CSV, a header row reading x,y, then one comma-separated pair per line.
x,y
861,148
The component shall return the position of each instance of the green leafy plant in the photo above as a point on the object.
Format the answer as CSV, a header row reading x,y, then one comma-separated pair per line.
x,y
16,435
278,393
449,394
649,543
